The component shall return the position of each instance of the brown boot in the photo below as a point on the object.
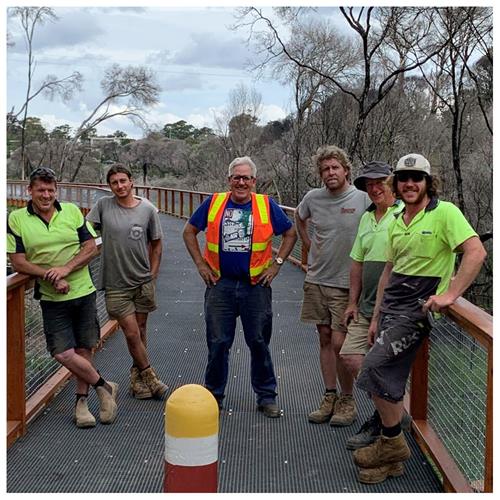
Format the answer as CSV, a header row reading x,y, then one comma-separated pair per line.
x,y
380,474
325,410
345,412
156,386
82,416
107,402
382,452
137,388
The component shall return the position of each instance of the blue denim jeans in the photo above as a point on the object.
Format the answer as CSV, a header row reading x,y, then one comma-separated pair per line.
x,y
224,302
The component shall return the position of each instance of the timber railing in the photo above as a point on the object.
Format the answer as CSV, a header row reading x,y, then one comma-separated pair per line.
x,y
450,393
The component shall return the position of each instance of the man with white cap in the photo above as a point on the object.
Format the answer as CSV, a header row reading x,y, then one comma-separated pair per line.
x,y
423,241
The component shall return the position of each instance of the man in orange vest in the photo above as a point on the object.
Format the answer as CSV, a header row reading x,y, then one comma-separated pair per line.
x,y
238,268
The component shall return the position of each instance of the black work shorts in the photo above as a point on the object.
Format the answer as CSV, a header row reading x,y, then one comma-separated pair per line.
x,y
70,323
387,364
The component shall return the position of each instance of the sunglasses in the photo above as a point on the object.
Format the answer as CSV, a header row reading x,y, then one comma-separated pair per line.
x,y
238,178
42,172
410,174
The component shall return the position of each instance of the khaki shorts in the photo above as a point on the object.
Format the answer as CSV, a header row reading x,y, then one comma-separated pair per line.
x,y
356,340
324,305
121,303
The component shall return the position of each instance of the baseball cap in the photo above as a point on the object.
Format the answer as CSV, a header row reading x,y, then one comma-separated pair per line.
x,y
372,170
414,162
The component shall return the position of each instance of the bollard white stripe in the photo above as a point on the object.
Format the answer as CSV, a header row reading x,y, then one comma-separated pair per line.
x,y
191,451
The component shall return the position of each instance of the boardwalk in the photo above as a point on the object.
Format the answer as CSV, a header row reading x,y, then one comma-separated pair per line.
x,y
256,454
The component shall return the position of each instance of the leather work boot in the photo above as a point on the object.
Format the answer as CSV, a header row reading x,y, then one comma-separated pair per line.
x,y
270,410
382,452
107,403
156,386
325,410
345,412
137,388
82,416
380,474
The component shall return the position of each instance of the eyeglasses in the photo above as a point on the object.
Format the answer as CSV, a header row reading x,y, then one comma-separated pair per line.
x,y
43,172
238,178
406,175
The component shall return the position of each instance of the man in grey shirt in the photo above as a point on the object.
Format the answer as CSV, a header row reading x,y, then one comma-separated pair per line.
x,y
130,262
333,211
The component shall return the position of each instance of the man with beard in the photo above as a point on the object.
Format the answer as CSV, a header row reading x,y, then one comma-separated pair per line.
x,y
423,241
333,211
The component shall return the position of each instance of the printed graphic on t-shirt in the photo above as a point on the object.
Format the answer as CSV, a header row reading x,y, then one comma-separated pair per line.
x,y
135,232
237,228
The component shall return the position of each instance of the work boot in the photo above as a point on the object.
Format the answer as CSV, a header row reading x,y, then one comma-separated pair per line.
x,y
325,410
156,386
383,451
345,412
379,474
137,388
270,410
82,416
107,403
367,433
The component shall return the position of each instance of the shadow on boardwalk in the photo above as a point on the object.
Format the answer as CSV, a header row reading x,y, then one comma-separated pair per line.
x,y
256,454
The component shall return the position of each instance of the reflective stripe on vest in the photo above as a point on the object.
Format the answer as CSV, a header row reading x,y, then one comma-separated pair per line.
x,y
261,250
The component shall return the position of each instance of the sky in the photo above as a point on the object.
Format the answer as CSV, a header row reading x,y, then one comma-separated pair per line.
x,y
198,60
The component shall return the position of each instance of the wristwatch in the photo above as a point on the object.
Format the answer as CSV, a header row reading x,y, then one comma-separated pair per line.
x,y
279,261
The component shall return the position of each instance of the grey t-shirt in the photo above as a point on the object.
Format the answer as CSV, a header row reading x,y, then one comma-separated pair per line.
x,y
125,233
334,220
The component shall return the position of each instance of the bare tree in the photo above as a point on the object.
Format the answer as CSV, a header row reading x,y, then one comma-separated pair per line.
x,y
449,75
379,32
30,18
127,91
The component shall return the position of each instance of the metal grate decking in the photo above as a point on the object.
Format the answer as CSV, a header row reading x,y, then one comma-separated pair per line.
x,y
256,454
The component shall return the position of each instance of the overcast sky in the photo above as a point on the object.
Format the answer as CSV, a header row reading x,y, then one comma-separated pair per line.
x,y
198,60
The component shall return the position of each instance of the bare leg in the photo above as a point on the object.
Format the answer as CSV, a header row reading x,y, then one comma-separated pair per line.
x,y
82,387
327,359
390,413
79,366
142,320
345,377
135,345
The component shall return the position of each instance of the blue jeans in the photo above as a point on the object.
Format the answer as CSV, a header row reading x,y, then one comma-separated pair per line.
x,y
224,302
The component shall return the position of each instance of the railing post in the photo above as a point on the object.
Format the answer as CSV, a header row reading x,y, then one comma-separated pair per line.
x,y
16,391
172,208
181,202
190,204
420,383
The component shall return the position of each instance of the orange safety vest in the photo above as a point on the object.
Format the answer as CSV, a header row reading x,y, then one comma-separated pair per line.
x,y
261,255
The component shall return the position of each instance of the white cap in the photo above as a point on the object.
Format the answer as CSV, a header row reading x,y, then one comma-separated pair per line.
x,y
414,162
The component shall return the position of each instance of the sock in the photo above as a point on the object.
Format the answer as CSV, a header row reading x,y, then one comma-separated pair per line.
x,y
99,383
391,432
78,396
329,391
142,369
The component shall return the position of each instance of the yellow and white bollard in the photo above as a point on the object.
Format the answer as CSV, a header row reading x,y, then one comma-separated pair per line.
x,y
191,439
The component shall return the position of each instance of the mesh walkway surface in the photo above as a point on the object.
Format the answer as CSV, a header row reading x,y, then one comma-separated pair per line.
x,y
256,454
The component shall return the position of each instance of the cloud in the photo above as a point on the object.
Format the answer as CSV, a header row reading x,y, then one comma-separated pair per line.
x,y
73,27
208,49
159,57
271,112
187,81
